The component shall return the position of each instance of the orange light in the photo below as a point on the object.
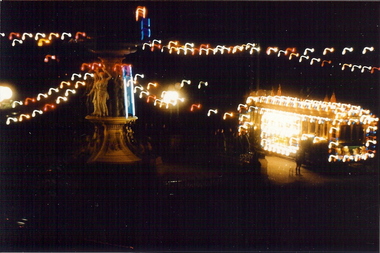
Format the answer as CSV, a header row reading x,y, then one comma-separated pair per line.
x,y
47,106
373,69
83,34
195,105
13,34
47,57
323,62
149,97
140,12
41,42
29,99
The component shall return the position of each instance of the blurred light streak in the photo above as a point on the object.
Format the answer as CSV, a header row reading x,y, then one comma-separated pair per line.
x,y
51,35
282,51
138,75
42,35
36,111
147,32
138,87
27,116
241,117
367,49
151,84
41,95
41,42
63,83
69,90
185,81
170,45
227,114
83,34
144,92
254,48
146,44
350,49
29,99
242,105
327,49
202,82
85,65
366,67
235,48
314,59
59,99
13,34
16,102
311,50
271,49
355,66
346,65
65,34
75,75
79,83
140,12
53,89
370,141
215,111
26,34
198,106
153,44
47,106
47,57
303,56
16,40
88,74
149,97
325,61
9,119
295,54
291,49
373,69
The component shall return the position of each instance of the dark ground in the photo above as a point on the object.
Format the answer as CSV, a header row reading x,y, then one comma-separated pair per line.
x,y
211,206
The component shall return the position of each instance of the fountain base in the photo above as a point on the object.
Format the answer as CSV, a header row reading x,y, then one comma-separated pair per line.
x,y
109,141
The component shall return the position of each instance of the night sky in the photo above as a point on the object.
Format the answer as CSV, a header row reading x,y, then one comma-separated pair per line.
x,y
301,25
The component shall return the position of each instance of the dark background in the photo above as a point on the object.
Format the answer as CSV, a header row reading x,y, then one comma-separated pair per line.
x,y
35,154
230,76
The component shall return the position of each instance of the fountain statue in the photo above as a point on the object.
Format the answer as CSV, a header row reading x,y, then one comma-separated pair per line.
x,y
111,97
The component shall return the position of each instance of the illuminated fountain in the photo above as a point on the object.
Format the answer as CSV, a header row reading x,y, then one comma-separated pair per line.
x,y
113,109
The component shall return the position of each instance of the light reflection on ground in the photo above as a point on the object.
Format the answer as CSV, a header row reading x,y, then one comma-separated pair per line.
x,y
282,171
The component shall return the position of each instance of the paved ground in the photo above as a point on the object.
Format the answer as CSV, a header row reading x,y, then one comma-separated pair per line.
x,y
178,207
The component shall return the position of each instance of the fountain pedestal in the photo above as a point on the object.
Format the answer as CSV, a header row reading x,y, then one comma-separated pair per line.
x,y
109,141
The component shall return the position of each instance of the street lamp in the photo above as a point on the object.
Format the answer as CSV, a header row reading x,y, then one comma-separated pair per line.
x,y
6,94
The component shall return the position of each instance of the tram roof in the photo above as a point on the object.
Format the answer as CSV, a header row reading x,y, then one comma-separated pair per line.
x,y
313,108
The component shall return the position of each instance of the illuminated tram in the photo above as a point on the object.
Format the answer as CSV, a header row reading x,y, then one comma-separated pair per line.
x,y
324,131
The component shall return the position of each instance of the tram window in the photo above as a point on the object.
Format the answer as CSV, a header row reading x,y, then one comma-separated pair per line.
x,y
345,133
312,127
357,133
305,127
